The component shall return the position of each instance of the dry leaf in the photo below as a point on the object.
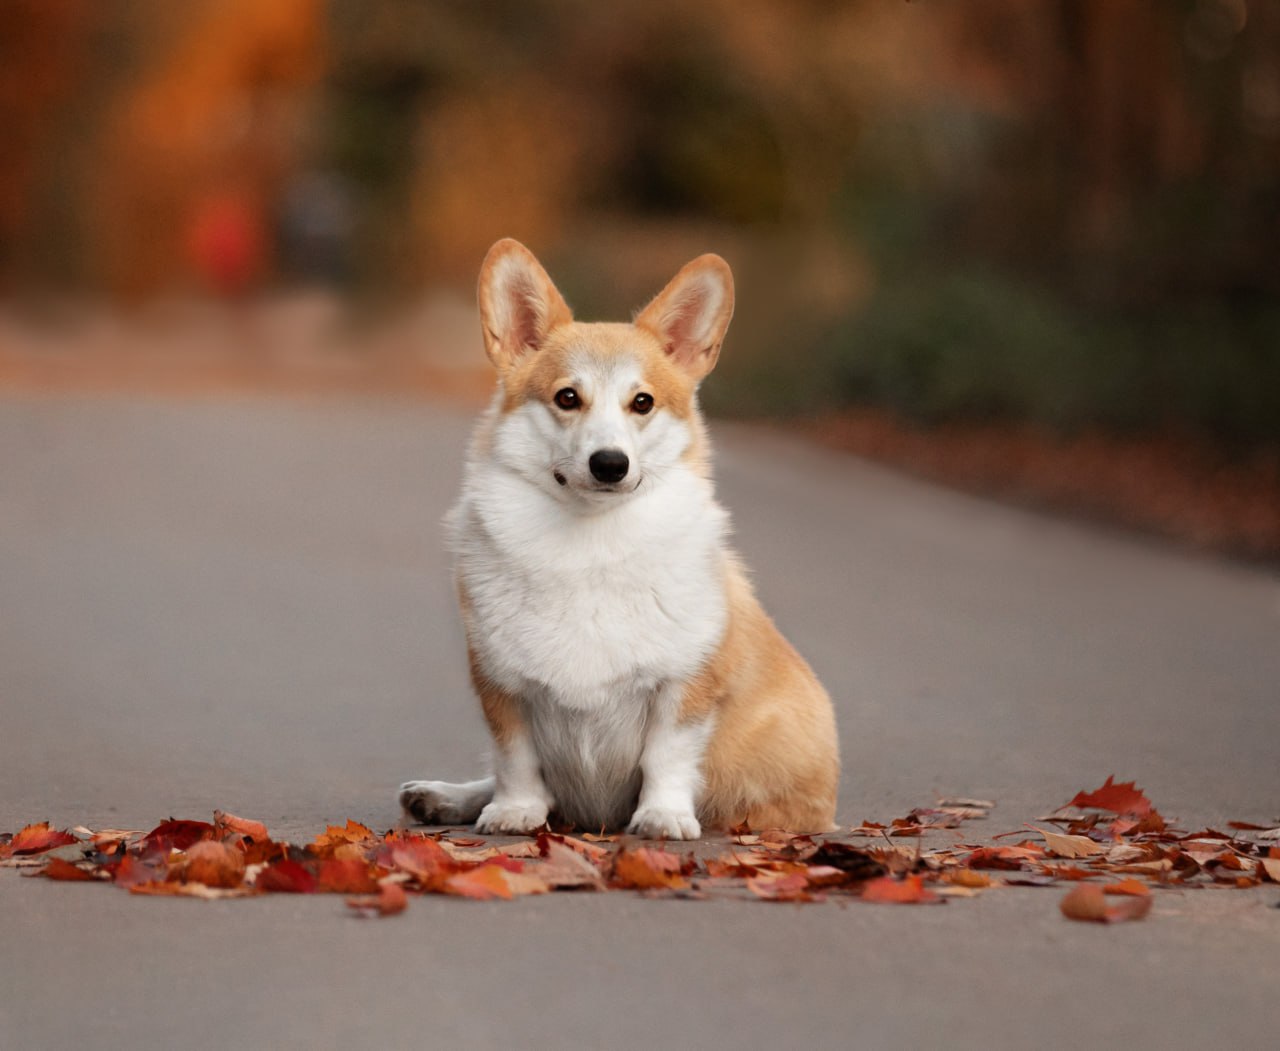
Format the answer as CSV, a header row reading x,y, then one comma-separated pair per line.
x,y
1123,798
178,835
286,877
227,824
1086,901
889,891
483,882
962,801
345,876
61,869
335,836
1126,886
214,864
648,868
36,839
566,869
1064,846
389,900
794,886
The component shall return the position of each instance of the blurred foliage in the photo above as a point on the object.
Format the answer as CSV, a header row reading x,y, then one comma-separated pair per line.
x,y
1066,212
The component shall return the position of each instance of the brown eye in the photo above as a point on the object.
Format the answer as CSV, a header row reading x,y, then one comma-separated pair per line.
x,y
568,398
642,403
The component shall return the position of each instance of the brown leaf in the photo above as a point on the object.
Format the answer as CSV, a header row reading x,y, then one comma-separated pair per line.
x,y
1087,901
389,900
36,839
1008,858
214,864
566,869
889,891
1123,798
647,868
1271,868
794,886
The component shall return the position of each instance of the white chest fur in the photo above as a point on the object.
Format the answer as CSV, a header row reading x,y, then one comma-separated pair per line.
x,y
590,611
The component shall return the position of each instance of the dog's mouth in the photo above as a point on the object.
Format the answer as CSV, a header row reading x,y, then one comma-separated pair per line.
x,y
605,488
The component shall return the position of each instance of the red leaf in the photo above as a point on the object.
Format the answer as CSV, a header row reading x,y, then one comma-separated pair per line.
x,y
1122,798
345,876
886,890
61,869
178,835
286,877
389,900
36,839
1088,902
131,871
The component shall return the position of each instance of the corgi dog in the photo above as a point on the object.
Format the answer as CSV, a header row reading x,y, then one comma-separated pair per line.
x,y
627,673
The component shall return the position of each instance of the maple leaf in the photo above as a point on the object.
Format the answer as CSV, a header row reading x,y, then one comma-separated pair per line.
x,y
483,882
1088,902
389,900
648,868
422,858
885,890
336,836
286,877
214,864
36,839
228,824
61,869
1122,798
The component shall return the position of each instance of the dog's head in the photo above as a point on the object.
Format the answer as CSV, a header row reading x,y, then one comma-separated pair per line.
x,y
593,412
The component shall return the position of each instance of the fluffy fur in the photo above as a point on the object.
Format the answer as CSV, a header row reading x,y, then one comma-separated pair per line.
x,y
627,673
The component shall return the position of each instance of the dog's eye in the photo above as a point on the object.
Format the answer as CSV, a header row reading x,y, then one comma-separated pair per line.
x,y
568,398
642,403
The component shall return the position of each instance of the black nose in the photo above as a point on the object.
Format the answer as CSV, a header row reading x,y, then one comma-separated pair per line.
x,y
609,465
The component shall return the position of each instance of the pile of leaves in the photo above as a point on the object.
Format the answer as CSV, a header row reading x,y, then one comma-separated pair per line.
x,y
1110,846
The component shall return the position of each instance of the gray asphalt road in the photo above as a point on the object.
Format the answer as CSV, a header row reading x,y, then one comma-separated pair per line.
x,y
244,604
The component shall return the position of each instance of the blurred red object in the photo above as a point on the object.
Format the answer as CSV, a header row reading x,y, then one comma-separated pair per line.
x,y
226,243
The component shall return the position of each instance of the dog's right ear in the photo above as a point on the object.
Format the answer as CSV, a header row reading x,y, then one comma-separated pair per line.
x,y
519,305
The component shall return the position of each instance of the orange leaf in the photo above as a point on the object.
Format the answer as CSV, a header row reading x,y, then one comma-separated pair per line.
x,y
60,869
389,900
1086,901
1126,886
483,882
1123,798
228,824
214,864
36,839
345,876
885,890
647,868
335,836
794,886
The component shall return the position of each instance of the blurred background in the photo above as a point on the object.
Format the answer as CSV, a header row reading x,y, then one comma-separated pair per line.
x,y
1027,248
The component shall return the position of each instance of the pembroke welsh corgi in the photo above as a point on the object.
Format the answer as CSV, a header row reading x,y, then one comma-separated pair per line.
x,y
628,675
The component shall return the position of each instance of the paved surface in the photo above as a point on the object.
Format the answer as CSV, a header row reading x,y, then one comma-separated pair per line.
x,y
244,604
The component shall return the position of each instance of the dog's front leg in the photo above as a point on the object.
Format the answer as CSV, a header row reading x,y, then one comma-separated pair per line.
x,y
521,800
671,765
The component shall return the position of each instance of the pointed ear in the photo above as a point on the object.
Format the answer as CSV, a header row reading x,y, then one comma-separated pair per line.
x,y
519,305
691,315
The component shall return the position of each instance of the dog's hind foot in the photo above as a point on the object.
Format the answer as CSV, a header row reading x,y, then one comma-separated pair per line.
x,y
444,803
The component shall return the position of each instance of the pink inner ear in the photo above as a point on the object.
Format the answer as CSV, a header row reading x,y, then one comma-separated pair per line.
x,y
680,326
526,316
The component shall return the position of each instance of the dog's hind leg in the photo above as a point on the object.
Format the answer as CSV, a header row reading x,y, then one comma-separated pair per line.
x,y
443,803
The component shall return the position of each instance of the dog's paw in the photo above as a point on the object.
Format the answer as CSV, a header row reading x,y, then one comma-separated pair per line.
x,y
437,803
659,823
512,817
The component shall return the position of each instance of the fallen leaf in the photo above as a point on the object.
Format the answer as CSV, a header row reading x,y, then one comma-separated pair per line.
x,y
1126,886
389,900
335,836
794,886
962,877
481,883
1123,798
36,839
1065,846
61,869
178,835
286,877
1271,867
566,869
214,864
345,876
962,801
647,868
168,888
226,824
1008,858
889,891
855,863
1087,901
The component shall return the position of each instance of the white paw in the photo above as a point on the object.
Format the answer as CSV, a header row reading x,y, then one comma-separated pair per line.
x,y
653,822
512,816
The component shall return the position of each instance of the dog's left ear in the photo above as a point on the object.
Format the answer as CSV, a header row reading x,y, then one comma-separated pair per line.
x,y
519,304
691,315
